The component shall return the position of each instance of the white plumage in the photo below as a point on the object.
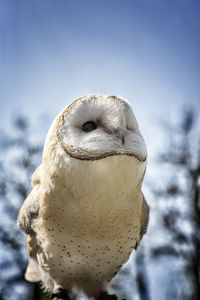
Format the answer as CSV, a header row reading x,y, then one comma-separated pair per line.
x,y
86,211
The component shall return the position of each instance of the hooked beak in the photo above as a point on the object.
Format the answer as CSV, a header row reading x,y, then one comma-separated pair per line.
x,y
121,135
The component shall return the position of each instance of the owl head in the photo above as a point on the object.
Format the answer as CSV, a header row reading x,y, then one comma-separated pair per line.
x,y
95,127
95,135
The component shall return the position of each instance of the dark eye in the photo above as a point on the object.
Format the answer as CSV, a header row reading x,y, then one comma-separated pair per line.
x,y
89,126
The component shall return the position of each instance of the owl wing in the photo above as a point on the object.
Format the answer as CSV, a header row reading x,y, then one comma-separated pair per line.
x,y
144,217
27,213
144,220
29,209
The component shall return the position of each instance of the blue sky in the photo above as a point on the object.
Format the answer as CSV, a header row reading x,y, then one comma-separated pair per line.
x,y
54,51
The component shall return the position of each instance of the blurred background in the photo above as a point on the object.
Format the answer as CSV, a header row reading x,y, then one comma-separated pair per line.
x,y
146,51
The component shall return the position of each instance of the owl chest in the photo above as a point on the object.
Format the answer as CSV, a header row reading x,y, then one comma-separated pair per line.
x,y
98,216
86,235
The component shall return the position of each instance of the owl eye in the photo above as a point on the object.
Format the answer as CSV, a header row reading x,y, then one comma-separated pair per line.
x,y
89,126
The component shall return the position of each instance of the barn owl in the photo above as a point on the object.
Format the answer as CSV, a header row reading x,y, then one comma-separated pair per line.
x,y
86,212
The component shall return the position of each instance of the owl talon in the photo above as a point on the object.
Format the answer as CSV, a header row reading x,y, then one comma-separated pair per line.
x,y
105,296
60,294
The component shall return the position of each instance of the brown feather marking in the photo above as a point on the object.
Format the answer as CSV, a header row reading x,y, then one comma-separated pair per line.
x,y
36,176
31,245
22,214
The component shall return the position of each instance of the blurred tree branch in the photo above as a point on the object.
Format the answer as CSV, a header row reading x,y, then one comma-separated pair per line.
x,y
18,158
181,200
141,275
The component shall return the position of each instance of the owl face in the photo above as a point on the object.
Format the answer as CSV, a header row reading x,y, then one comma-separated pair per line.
x,y
94,127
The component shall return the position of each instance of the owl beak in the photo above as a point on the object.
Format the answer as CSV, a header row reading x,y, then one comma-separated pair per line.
x,y
121,135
